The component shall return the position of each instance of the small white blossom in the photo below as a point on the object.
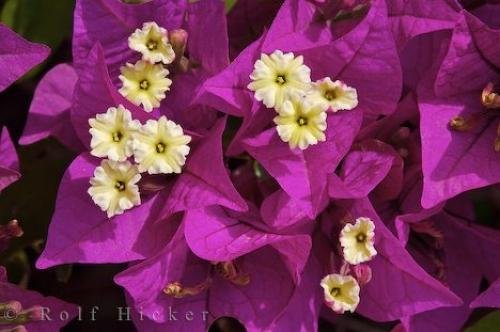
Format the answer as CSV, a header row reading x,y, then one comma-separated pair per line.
x,y
279,77
144,84
357,241
161,147
341,293
152,42
333,95
112,133
301,123
114,187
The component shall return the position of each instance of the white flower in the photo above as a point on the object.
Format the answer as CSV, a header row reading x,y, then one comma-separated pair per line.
x,y
341,292
152,42
114,187
357,241
334,95
144,84
301,123
112,133
161,147
278,77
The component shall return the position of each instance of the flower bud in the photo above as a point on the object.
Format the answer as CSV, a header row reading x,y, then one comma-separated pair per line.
x,y
177,290
427,227
229,271
9,231
403,152
34,313
362,273
459,123
178,39
173,289
401,135
490,99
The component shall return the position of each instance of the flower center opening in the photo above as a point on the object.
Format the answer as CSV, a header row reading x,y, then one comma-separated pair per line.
x,y
120,185
330,95
160,147
152,45
335,291
117,136
361,237
280,79
302,121
144,84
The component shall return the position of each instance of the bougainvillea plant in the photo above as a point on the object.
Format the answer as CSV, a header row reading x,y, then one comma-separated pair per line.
x,y
292,165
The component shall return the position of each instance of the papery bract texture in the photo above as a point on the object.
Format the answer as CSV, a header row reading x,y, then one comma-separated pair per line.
x,y
9,165
17,56
450,157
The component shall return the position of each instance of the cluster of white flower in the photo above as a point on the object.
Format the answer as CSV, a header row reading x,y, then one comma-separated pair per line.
x,y
341,291
157,147
283,82
146,82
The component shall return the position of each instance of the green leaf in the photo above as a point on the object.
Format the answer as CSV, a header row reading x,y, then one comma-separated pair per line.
x,y
229,4
42,21
31,199
64,272
18,267
488,323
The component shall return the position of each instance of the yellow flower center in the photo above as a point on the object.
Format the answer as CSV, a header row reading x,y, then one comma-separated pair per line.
x,y
281,79
335,291
120,185
117,136
160,147
330,95
152,45
144,84
361,237
301,121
